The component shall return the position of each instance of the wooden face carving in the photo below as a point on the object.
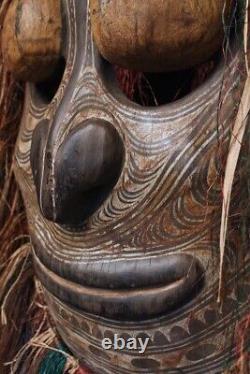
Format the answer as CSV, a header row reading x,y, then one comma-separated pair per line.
x,y
124,201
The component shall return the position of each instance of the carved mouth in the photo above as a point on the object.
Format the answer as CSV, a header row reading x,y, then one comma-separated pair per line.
x,y
176,288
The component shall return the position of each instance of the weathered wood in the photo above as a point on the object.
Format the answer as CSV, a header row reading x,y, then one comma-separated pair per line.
x,y
139,251
158,35
31,38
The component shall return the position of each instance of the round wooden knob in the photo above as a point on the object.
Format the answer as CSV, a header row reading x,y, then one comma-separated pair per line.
x,y
31,38
158,35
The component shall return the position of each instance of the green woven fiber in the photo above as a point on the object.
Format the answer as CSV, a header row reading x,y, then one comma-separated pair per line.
x,y
53,363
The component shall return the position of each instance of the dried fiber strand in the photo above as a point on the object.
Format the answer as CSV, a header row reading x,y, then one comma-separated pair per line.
x,y
233,155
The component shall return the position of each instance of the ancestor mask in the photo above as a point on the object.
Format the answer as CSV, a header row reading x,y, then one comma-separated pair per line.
x,y
124,200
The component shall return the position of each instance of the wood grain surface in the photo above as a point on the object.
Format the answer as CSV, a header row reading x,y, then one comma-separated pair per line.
x,y
156,231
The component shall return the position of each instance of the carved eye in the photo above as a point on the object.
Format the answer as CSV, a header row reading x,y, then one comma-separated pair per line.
x,y
157,36
31,38
161,51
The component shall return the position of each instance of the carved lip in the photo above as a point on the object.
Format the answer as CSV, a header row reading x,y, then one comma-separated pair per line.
x,y
126,304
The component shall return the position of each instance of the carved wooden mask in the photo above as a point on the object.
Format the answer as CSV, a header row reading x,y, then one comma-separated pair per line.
x,y
124,201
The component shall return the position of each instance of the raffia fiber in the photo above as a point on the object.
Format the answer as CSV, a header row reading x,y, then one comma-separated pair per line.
x,y
15,290
242,330
238,133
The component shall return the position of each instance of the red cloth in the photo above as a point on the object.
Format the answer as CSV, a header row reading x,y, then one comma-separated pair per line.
x,y
83,371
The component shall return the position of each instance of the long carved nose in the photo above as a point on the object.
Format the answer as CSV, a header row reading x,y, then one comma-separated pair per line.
x,y
72,184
